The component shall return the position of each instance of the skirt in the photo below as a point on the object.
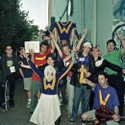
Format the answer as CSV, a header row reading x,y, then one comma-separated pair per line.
x,y
47,110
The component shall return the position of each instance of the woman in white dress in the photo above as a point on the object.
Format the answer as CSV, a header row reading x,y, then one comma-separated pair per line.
x,y
47,111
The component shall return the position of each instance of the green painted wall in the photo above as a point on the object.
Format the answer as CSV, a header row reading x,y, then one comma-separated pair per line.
x,y
59,6
96,15
104,22
77,14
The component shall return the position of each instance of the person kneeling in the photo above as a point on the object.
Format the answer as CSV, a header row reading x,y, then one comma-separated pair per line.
x,y
105,108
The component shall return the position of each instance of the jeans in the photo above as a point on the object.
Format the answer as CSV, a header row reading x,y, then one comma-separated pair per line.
x,y
70,95
117,82
80,94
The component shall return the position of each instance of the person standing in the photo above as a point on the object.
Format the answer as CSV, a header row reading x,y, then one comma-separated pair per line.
x,y
39,59
26,73
115,79
81,92
10,71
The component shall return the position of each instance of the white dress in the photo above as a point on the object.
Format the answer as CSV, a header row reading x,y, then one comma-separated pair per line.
x,y
47,110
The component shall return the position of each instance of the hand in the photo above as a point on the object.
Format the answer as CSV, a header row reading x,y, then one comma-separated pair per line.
x,y
27,57
52,35
85,81
59,79
31,51
88,74
116,117
123,71
120,36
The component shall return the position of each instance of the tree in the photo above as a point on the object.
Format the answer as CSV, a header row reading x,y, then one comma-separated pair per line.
x,y
15,28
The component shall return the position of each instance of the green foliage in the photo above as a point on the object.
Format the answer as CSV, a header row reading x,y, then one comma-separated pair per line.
x,y
15,28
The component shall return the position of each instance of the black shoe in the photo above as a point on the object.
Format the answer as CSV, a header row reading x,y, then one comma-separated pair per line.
x,y
2,109
11,104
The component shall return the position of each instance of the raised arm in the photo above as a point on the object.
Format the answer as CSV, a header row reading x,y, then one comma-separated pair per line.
x,y
122,39
82,38
65,73
54,41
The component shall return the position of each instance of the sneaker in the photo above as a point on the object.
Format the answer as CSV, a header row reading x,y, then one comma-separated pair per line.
x,y
83,124
72,120
11,104
2,109
28,104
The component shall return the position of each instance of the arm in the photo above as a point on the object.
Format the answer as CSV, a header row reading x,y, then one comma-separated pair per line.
x,y
35,69
90,83
25,66
116,110
57,47
31,54
112,66
81,40
21,72
122,39
54,38
65,73
116,116
52,46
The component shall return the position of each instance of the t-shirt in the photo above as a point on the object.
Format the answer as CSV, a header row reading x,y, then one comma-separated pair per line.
x,y
26,72
84,60
39,60
112,101
113,57
9,66
49,88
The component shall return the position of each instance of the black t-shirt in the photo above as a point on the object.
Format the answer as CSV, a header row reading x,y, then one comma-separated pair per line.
x,y
27,72
9,66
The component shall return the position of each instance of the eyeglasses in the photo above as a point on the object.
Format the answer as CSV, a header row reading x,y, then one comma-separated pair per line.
x,y
8,48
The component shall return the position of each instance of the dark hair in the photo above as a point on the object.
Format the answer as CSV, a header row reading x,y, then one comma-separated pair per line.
x,y
111,41
46,33
20,48
45,43
51,56
66,45
104,74
7,45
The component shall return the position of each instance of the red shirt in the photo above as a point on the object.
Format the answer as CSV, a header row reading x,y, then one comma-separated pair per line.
x,y
39,60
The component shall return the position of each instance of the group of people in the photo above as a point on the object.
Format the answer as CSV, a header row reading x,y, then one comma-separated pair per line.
x,y
77,76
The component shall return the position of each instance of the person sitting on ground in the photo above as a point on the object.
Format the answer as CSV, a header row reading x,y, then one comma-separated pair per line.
x,y
105,95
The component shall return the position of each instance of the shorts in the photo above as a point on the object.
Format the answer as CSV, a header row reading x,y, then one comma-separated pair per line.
x,y
27,84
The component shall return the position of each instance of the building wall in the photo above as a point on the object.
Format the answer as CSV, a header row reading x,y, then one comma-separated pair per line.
x,y
96,15
57,7
104,21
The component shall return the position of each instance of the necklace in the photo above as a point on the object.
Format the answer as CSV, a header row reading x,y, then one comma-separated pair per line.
x,y
49,86
103,101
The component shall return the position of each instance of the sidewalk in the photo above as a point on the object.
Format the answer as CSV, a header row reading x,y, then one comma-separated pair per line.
x,y
20,115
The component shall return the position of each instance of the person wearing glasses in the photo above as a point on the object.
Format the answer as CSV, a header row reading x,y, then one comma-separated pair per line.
x,y
10,67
